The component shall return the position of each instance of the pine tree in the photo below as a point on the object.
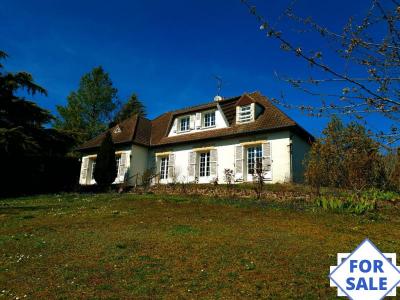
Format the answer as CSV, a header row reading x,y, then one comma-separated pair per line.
x,y
132,107
27,145
105,170
90,108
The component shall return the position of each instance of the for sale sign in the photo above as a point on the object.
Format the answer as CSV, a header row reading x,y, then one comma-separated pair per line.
x,y
366,273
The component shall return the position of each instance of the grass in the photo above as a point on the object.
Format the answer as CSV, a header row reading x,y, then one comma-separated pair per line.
x,y
111,246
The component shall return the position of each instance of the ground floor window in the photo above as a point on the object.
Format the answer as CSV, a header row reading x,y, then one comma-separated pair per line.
x,y
92,169
117,162
164,168
254,159
204,164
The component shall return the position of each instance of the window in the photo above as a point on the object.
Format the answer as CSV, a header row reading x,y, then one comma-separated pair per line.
x,y
209,119
245,114
204,164
164,168
254,159
92,171
117,162
184,124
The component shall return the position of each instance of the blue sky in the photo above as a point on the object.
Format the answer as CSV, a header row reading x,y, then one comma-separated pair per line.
x,y
165,51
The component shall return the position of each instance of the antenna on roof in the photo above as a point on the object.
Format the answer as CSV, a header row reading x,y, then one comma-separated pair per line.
x,y
219,87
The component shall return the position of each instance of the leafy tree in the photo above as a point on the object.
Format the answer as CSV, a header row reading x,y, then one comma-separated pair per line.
x,y
90,108
344,157
105,170
132,107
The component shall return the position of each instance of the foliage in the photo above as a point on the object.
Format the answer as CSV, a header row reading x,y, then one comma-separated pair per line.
x,y
105,170
344,157
133,106
90,109
229,176
27,145
147,178
352,204
352,71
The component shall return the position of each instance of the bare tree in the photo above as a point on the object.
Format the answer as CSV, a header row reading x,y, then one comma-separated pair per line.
x,y
367,81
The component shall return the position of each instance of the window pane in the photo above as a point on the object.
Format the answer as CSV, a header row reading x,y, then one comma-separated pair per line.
x,y
204,164
209,119
254,159
184,124
164,168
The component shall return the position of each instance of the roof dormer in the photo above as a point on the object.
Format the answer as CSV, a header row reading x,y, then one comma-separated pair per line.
x,y
245,110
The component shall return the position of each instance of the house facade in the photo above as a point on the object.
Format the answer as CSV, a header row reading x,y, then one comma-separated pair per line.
x,y
246,135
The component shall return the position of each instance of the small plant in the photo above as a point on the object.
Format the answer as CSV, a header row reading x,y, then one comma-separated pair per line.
x,y
147,179
258,179
353,204
228,176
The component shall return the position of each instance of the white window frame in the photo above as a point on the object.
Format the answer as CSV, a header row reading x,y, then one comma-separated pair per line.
x,y
204,164
254,156
117,162
245,113
164,164
180,120
93,165
209,119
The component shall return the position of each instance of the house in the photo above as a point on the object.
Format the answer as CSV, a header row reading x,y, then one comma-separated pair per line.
x,y
197,144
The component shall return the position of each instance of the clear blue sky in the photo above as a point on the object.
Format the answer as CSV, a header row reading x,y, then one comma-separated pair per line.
x,y
165,51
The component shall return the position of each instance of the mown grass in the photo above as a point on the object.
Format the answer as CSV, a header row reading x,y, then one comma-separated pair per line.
x,y
111,246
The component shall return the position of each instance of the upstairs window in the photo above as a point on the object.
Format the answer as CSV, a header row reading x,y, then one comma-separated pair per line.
x,y
209,119
245,114
184,124
164,168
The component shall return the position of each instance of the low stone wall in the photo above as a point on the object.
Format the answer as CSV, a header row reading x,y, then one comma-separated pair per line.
x,y
224,191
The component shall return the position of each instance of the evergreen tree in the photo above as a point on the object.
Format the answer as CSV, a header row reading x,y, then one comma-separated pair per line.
x,y
132,107
90,108
105,170
26,145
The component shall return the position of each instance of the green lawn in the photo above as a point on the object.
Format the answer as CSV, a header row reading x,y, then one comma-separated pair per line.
x,y
113,246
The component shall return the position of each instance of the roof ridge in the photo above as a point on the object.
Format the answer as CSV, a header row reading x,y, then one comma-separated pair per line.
x,y
202,104
265,98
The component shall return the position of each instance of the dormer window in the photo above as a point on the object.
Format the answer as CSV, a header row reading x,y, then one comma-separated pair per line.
x,y
184,124
245,114
209,119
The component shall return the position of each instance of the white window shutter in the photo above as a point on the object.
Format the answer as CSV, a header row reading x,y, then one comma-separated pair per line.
x,y
171,165
84,170
266,160
198,120
191,122
192,165
213,162
238,162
